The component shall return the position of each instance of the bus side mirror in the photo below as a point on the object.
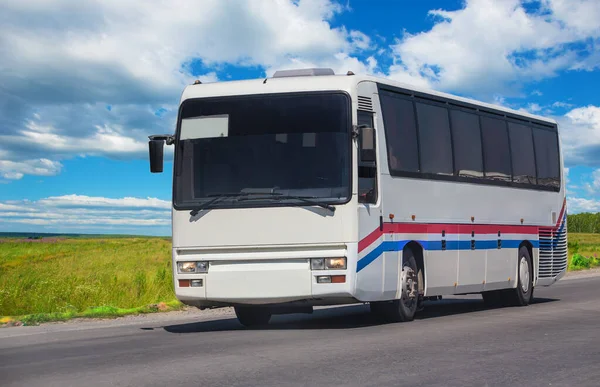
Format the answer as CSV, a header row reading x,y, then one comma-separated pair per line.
x,y
156,148
367,143
156,155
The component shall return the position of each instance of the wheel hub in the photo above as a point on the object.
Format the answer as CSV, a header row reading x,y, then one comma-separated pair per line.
x,y
410,285
524,274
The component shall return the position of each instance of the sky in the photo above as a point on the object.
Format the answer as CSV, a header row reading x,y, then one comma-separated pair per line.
x,y
82,84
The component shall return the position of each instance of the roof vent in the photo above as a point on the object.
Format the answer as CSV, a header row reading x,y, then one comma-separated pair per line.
x,y
303,72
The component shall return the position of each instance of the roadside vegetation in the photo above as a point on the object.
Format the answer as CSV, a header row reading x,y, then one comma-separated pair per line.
x,y
584,251
584,240
43,279
584,223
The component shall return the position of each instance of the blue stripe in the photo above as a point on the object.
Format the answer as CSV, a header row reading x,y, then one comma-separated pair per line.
x,y
389,246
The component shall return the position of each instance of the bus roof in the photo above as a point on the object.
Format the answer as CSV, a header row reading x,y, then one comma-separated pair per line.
x,y
307,81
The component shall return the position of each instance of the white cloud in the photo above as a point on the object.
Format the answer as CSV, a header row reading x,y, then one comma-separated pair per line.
x,y
580,134
40,167
577,205
559,104
73,211
90,201
495,46
579,16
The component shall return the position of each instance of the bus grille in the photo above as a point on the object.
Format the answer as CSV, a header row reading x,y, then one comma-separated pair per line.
x,y
553,250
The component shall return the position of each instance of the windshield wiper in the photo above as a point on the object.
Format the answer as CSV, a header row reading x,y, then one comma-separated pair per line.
x,y
216,198
306,199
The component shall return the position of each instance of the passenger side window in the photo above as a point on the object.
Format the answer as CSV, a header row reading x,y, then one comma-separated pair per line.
x,y
547,157
367,172
496,151
400,132
523,157
466,136
435,141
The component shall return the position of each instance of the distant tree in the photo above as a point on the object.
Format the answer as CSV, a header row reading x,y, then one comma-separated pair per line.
x,y
585,222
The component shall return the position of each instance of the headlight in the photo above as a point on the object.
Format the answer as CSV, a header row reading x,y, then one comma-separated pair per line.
x,y
335,263
328,263
317,264
192,267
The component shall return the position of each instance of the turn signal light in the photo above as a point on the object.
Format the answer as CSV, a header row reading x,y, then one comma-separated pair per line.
x,y
184,283
331,279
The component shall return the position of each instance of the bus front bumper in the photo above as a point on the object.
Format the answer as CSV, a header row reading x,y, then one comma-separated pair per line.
x,y
263,278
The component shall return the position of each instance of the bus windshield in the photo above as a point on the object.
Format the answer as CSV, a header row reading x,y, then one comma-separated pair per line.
x,y
293,144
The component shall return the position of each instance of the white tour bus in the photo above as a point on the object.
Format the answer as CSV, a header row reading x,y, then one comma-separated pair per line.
x,y
309,188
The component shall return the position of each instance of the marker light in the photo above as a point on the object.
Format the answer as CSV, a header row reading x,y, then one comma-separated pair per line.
x,y
331,279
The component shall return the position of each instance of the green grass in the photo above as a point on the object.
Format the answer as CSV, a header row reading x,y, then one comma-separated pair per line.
x,y
60,278
584,251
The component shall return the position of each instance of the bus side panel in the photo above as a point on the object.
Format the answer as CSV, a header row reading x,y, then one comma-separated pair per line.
x,y
501,269
441,269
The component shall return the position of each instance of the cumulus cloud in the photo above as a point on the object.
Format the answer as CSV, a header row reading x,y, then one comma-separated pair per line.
x,y
78,211
89,77
494,46
580,134
91,201
577,205
40,167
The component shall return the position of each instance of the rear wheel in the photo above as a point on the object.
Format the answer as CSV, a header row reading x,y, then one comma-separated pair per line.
x,y
405,308
251,316
523,293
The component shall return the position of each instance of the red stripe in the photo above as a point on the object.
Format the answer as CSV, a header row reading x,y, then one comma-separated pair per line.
x,y
372,237
456,228
409,228
562,212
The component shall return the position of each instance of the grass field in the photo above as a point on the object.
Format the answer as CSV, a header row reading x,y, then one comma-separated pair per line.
x,y
80,276
56,278
584,251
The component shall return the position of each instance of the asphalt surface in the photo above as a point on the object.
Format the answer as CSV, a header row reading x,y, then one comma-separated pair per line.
x,y
454,342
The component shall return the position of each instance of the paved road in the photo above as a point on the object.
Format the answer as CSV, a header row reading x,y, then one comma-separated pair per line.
x,y
456,342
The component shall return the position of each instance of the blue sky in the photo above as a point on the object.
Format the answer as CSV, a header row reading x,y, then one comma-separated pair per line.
x,y
83,84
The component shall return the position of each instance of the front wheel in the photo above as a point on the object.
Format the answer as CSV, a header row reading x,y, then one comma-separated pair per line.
x,y
405,308
250,316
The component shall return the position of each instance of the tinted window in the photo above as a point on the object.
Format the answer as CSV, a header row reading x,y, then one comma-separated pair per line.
x,y
401,132
367,188
547,159
466,136
288,145
496,151
435,142
523,158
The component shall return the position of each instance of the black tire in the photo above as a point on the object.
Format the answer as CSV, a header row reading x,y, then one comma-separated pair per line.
x,y
523,293
397,310
251,316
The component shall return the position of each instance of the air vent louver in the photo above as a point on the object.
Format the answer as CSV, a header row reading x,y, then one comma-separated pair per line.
x,y
365,103
553,250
